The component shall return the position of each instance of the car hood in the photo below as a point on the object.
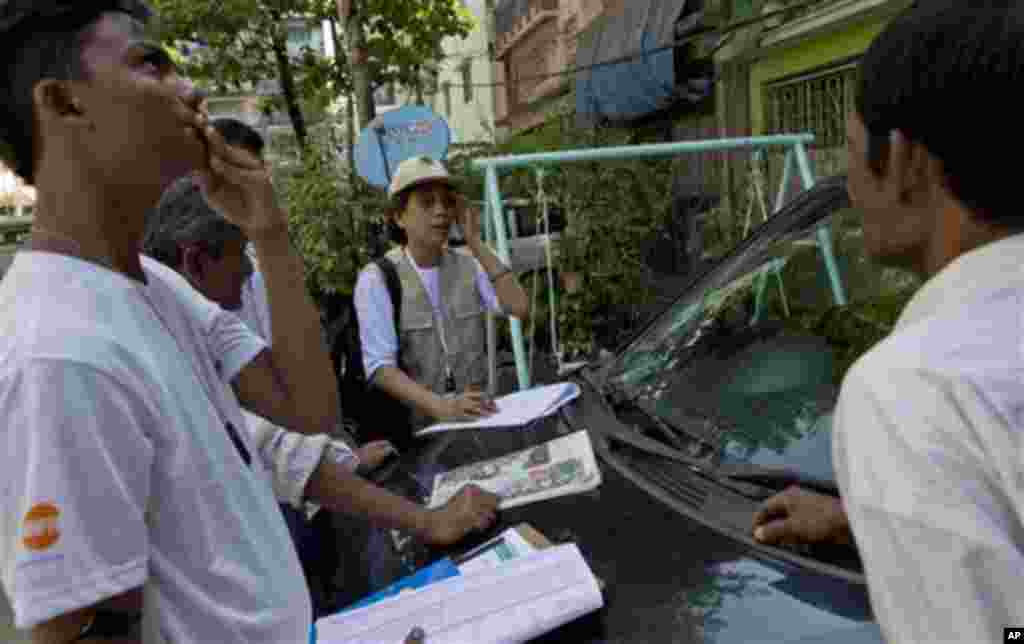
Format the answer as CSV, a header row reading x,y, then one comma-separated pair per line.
x,y
667,578
753,600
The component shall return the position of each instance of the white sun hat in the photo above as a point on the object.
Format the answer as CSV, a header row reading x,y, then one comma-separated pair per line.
x,y
417,171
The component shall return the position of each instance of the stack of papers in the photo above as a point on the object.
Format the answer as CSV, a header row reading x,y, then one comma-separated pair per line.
x,y
510,544
557,468
517,409
519,600
439,571
507,546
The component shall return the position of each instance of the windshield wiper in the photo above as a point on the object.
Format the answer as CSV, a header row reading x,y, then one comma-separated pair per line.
x,y
749,489
750,480
690,443
777,478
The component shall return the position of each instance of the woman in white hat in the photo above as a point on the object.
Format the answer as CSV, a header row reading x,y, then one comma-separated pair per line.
x,y
445,297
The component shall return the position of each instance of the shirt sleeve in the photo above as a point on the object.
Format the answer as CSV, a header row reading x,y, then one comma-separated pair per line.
x,y
937,534
376,316
75,488
255,307
232,344
292,458
484,286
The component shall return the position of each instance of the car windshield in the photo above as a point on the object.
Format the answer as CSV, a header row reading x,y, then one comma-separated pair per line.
x,y
746,366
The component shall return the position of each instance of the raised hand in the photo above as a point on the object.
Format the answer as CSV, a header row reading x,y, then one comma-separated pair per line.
x,y
238,185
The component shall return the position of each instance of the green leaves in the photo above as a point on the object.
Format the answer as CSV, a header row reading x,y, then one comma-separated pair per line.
x,y
402,37
331,216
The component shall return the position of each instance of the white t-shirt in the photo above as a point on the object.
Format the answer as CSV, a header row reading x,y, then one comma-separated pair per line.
x,y
377,314
255,311
118,469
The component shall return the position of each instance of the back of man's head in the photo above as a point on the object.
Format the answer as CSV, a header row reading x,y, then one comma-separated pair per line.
x,y
41,39
239,134
944,73
184,218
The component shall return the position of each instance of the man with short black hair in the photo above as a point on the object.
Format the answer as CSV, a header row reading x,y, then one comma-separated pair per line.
x,y
928,430
133,507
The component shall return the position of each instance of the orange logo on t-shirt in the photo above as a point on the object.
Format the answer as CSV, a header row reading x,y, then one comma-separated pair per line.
x,y
40,527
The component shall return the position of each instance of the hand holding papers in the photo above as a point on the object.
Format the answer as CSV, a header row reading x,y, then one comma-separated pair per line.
x,y
563,466
517,409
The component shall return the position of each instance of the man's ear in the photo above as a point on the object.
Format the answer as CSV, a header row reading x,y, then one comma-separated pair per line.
x,y
910,166
55,101
193,263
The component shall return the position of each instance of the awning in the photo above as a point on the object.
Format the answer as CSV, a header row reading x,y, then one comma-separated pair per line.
x,y
645,83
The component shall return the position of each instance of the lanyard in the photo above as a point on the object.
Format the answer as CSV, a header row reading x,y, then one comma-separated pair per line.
x,y
438,313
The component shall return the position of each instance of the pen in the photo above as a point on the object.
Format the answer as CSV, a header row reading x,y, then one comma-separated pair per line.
x,y
479,550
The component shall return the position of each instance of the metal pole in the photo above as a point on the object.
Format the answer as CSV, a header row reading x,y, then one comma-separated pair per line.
x,y
787,176
492,328
824,233
497,215
659,150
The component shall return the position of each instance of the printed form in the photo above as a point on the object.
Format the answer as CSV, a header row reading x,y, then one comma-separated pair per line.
x,y
520,600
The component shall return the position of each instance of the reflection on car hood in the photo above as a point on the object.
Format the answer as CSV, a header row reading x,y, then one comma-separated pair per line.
x,y
746,600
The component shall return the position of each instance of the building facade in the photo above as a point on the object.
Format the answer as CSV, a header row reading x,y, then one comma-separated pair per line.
x,y
464,86
536,47
797,72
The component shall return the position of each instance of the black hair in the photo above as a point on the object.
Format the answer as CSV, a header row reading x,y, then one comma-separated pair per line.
x,y
183,217
238,133
944,73
398,205
42,39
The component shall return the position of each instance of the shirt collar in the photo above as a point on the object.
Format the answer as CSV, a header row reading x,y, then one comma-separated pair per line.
x,y
971,276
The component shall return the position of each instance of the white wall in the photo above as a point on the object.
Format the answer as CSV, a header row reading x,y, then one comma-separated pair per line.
x,y
471,121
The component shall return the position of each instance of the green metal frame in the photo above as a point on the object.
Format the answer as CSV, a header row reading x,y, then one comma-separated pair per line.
x,y
496,226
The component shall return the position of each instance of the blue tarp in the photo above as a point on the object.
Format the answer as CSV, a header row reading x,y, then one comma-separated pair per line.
x,y
645,83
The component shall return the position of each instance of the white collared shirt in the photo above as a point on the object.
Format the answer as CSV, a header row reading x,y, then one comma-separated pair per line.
x,y
292,458
928,446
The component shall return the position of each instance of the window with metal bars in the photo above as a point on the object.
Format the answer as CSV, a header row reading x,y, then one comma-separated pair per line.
x,y
817,103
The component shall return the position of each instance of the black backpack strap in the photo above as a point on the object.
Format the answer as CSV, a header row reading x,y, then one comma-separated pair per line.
x,y
394,286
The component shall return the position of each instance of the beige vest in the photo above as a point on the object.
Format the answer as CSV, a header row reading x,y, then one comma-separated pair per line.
x,y
464,326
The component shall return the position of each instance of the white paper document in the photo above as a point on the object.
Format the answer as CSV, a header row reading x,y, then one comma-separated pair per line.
x,y
518,409
518,601
497,552
556,468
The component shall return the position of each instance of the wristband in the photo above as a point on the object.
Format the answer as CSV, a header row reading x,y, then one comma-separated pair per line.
x,y
505,270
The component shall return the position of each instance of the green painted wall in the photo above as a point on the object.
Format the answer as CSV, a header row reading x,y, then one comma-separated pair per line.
x,y
805,56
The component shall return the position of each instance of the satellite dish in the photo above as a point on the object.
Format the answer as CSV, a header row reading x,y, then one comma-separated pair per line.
x,y
393,137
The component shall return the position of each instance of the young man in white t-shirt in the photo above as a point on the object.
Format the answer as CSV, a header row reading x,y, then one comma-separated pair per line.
x,y
128,490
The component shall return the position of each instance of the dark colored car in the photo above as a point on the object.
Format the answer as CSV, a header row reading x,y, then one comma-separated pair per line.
x,y
724,399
